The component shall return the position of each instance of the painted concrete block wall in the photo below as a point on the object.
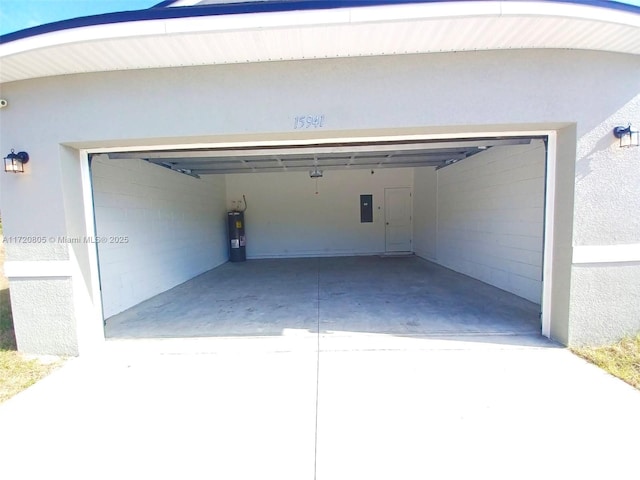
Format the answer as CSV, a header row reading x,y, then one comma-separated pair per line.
x,y
286,218
490,218
425,212
166,229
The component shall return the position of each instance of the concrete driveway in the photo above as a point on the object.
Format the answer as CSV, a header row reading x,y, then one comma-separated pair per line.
x,y
377,407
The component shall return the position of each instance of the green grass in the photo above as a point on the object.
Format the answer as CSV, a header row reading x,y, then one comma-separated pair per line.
x,y
7,337
621,359
16,371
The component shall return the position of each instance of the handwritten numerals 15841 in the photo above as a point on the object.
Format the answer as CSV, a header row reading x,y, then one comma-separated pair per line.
x,y
308,121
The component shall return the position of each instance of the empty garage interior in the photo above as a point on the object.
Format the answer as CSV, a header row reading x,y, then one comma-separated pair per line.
x,y
405,238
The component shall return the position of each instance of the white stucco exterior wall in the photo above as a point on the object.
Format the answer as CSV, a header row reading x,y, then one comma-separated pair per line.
x,y
607,190
47,302
596,287
162,228
286,218
581,95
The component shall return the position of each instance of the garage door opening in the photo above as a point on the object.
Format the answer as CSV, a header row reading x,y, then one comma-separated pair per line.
x,y
422,237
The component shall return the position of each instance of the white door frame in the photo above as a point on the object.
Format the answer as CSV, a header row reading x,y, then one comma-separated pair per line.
x,y
97,320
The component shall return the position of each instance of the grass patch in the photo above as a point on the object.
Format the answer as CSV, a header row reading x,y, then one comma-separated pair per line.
x,y
7,337
621,359
16,371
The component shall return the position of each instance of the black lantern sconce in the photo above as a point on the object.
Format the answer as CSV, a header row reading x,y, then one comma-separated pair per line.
x,y
628,137
14,162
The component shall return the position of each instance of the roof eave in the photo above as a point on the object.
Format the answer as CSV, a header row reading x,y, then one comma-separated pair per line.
x,y
401,27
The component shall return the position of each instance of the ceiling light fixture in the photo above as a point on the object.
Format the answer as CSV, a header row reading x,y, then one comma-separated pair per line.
x,y
315,173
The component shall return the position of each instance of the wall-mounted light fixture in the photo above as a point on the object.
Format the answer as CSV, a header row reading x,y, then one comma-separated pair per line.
x,y
14,162
628,136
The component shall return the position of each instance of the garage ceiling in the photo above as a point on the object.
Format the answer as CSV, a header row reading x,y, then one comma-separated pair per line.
x,y
304,157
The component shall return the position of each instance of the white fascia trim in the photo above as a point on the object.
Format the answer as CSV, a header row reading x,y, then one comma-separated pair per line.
x,y
340,16
258,21
570,11
190,3
183,3
35,269
606,253
422,11
84,35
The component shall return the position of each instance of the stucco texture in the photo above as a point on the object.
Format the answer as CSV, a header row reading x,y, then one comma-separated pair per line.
x,y
46,318
608,182
606,300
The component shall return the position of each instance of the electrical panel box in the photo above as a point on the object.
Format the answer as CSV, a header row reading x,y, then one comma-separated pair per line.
x,y
366,208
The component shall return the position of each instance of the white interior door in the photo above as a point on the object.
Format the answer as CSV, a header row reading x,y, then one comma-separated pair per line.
x,y
397,215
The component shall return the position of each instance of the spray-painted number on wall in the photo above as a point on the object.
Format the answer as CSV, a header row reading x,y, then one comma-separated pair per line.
x,y
308,121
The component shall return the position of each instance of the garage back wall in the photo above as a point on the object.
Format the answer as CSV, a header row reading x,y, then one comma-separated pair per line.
x,y
287,218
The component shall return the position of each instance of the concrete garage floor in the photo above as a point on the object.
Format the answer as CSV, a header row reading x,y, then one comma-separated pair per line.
x,y
336,297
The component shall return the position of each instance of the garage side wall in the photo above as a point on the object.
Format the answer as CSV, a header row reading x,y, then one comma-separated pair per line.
x,y
490,214
287,218
161,228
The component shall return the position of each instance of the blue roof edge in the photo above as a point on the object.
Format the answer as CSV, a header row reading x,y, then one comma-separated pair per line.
x,y
160,12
